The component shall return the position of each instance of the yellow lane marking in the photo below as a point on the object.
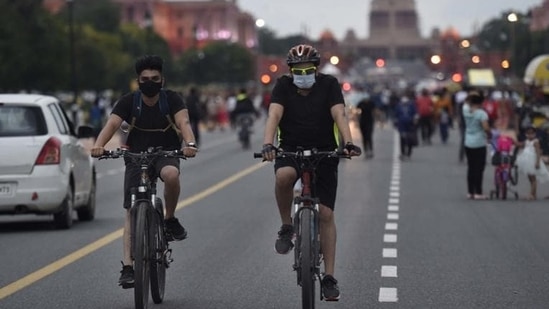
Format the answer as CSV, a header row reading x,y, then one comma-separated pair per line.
x,y
105,240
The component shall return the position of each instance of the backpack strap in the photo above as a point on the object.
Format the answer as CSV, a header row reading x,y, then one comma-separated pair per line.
x,y
164,109
136,109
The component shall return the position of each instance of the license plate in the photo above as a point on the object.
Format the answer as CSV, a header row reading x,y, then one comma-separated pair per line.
x,y
7,189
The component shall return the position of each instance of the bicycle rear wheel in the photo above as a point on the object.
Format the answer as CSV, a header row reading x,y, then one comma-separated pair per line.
x,y
159,247
141,256
307,267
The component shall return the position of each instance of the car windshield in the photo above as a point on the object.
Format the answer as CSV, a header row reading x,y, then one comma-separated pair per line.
x,y
20,120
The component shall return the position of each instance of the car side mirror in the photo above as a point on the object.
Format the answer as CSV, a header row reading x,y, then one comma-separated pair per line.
x,y
85,132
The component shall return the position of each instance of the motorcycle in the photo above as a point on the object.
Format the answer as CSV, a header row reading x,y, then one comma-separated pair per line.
x,y
245,123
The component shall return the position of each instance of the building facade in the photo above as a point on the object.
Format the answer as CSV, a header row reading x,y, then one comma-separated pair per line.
x,y
186,24
540,17
394,33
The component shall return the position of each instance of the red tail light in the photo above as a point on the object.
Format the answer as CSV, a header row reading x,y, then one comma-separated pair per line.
x,y
50,153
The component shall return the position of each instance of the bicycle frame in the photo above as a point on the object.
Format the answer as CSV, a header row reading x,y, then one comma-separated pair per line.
x,y
149,247
306,221
502,176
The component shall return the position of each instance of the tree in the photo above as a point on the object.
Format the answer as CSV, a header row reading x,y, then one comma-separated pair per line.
x,y
269,44
33,48
218,62
102,15
499,34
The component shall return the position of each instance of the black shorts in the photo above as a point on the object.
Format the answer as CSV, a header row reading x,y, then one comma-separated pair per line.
x,y
133,172
326,178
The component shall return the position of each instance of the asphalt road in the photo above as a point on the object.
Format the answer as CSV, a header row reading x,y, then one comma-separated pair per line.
x,y
407,238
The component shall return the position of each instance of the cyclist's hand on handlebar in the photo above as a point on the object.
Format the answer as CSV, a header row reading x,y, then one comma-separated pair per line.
x,y
352,149
269,152
189,151
96,151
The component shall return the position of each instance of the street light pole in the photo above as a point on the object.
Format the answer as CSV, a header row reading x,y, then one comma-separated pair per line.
x,y
259,23
148,26
74,85
512,18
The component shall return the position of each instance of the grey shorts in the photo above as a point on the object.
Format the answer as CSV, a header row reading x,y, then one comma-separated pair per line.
x,y
133,173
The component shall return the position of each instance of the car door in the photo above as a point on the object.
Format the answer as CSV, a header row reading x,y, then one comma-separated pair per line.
x,y
76,155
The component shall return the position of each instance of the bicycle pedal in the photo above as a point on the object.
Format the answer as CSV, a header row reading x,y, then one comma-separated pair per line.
x,y
168,258
126,285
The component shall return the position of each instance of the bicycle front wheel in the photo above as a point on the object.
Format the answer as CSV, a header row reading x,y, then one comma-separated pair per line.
x,y
159,247
141,256
503,185
307,258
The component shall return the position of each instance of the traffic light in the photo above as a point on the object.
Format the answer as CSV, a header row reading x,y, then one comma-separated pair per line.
x,y
346,86
380,63
265,79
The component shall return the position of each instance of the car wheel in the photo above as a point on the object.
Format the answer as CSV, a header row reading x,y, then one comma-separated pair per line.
x,y
87,211
63,218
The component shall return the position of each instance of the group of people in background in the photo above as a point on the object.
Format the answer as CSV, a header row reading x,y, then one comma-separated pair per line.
x,y
478,115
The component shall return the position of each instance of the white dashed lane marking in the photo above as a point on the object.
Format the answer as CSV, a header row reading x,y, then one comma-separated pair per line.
x,y
390,253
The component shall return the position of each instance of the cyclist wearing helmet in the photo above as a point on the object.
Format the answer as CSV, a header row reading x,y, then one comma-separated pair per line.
x,y
307,109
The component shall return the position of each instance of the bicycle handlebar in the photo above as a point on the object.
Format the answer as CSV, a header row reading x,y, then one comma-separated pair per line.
x,y
306,153
150,154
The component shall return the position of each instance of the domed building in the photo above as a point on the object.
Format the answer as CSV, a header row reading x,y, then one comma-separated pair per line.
x,y
394,33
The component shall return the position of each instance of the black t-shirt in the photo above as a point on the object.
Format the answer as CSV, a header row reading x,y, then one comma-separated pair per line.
x,y
151,118
244,106
307,120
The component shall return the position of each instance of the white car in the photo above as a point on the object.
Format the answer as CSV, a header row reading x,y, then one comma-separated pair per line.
x,y
44,168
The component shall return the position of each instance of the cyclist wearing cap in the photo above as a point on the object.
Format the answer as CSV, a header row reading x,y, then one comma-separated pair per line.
x,y
307,109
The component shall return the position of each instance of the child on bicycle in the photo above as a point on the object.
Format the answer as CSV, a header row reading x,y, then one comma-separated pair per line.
x,y
529,161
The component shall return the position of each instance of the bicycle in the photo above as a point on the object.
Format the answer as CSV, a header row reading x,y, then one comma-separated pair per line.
x,y
505,172
306,221
149,240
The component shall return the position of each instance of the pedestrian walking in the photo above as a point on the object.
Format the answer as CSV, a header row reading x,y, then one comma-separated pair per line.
x,y
477,135
406,120
425,109
366,123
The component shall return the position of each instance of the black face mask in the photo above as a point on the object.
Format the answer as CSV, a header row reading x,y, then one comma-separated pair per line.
x,y
150,88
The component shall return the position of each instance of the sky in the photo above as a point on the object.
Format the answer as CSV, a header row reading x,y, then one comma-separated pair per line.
x,y
312,17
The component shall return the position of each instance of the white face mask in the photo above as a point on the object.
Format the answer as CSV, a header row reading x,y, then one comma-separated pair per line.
x,y
304,81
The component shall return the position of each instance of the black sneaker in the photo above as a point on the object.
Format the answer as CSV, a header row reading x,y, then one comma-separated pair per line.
x,y
126,277
284,242
330,290
175,230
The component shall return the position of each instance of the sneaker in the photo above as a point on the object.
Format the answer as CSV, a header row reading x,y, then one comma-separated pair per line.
x,y
126,277
175,230
284,242
330,290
